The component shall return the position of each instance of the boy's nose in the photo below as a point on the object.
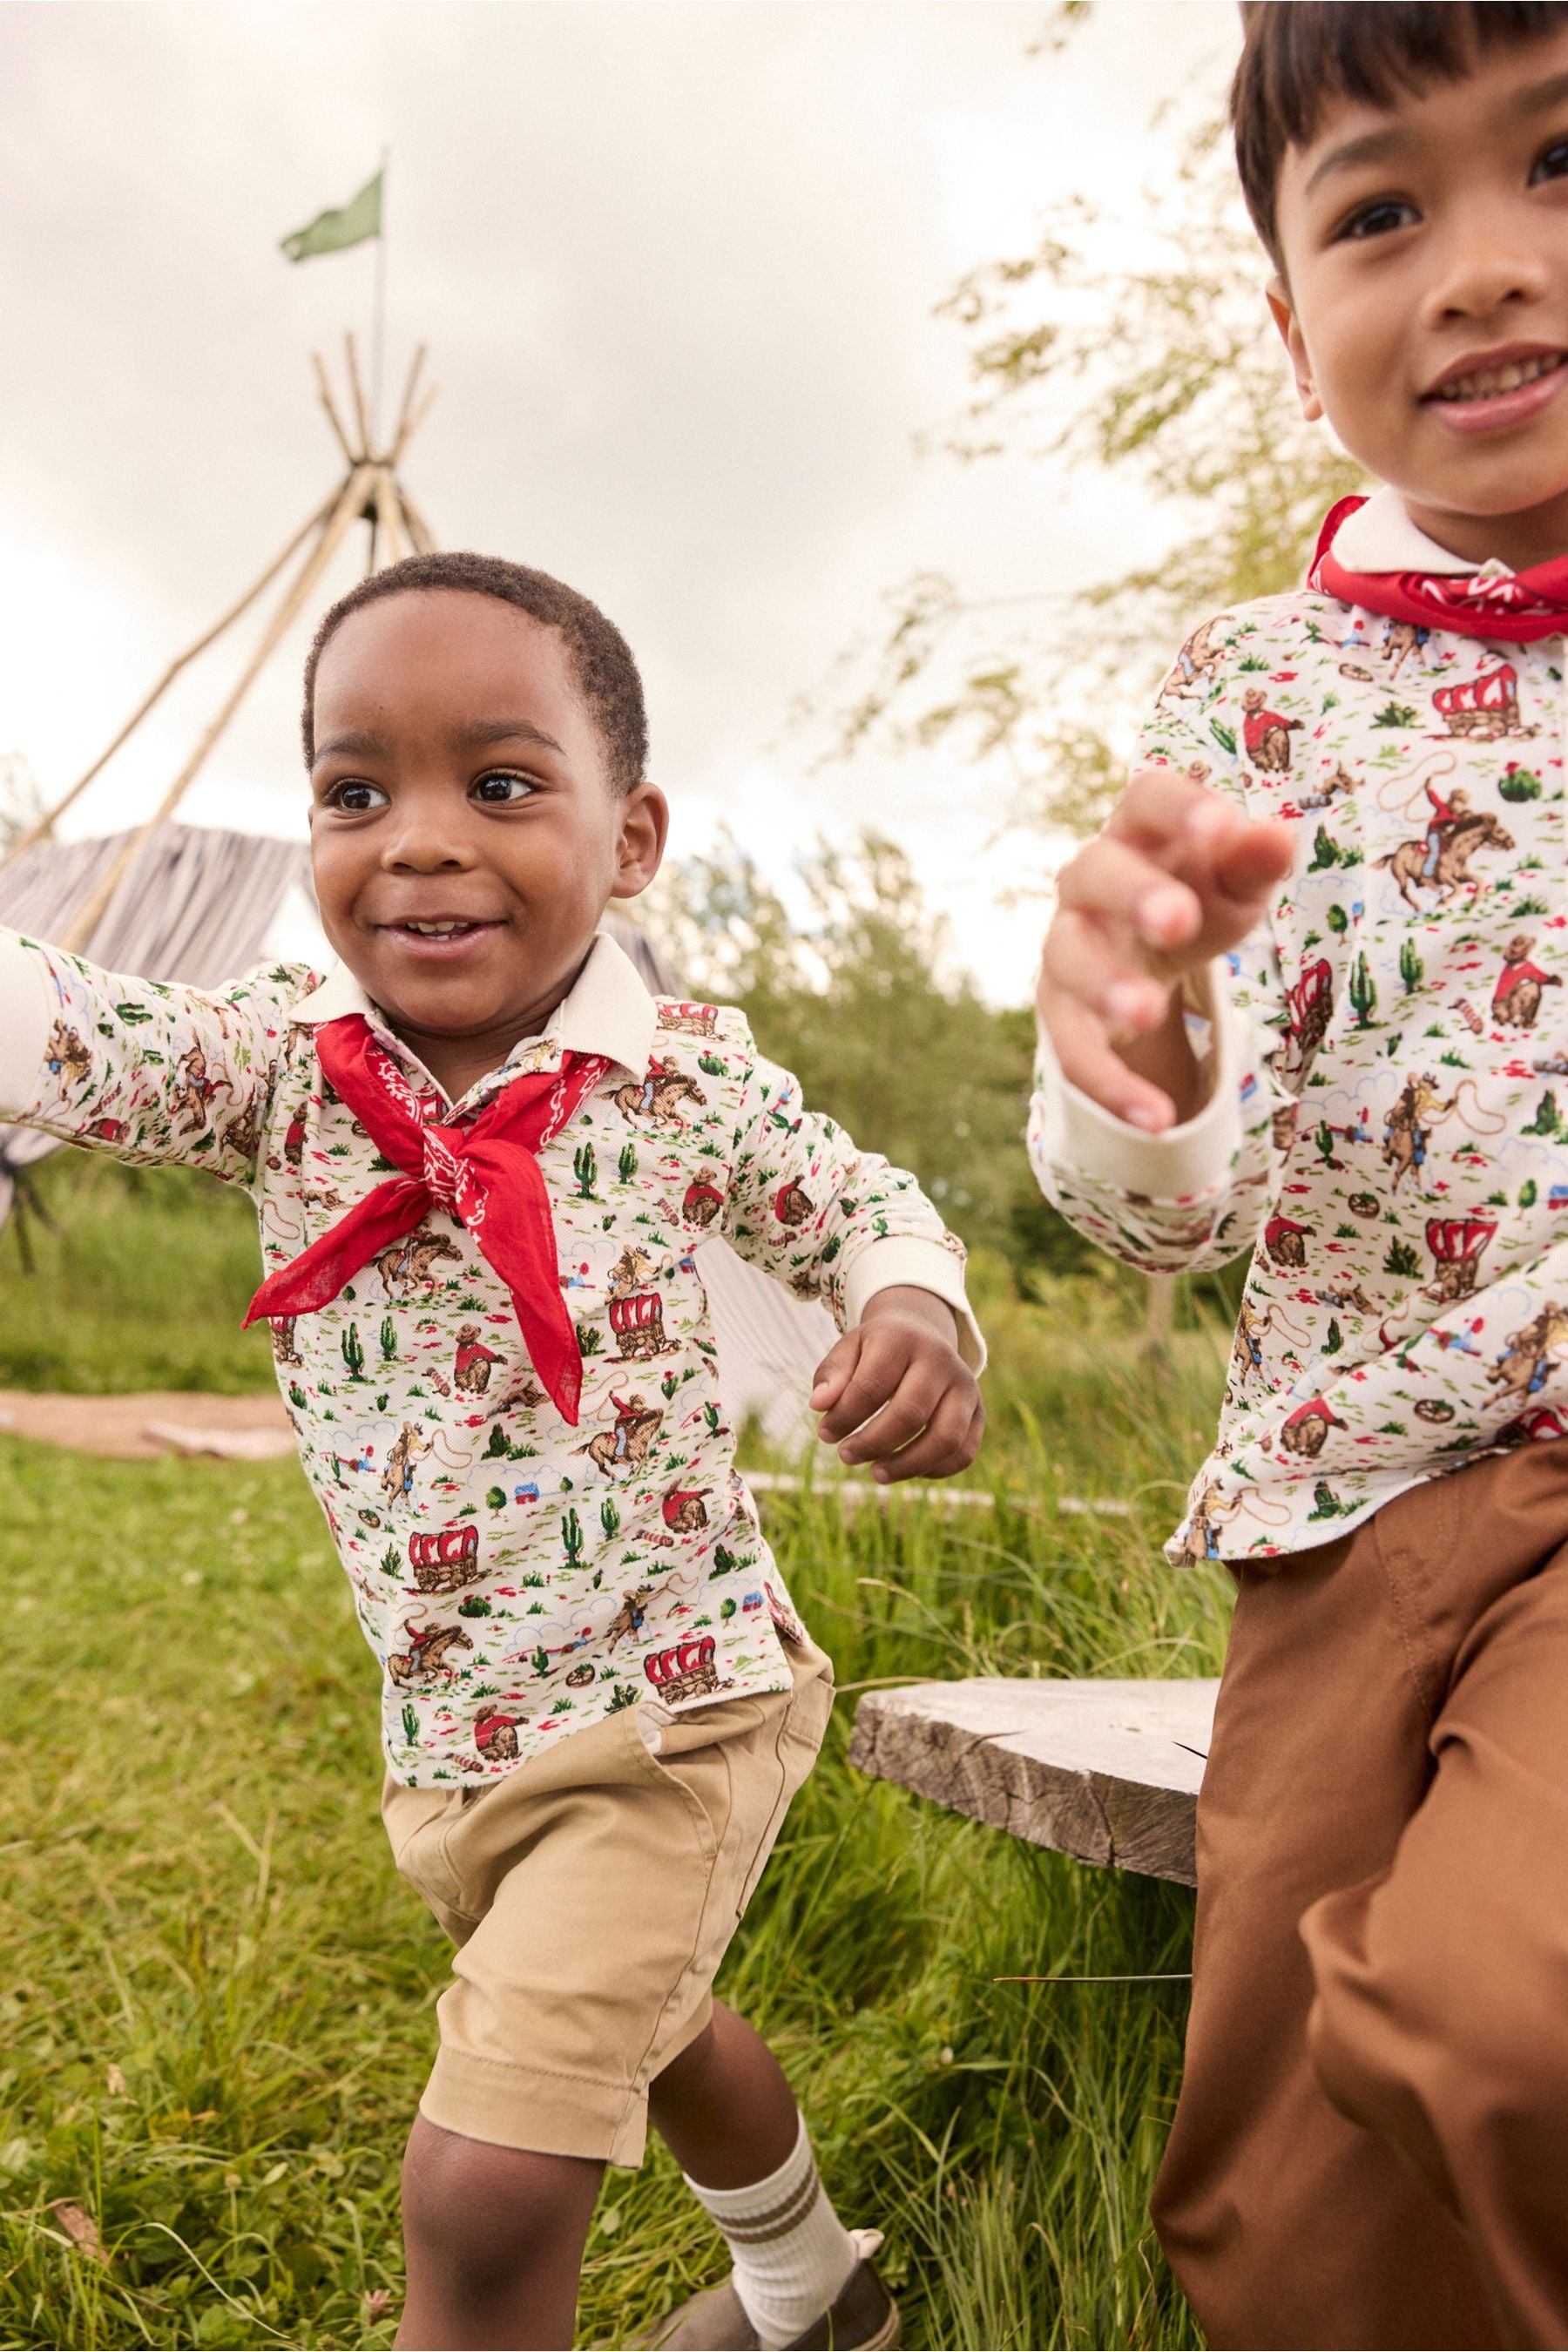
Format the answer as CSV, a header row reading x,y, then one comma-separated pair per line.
x,y
1488,269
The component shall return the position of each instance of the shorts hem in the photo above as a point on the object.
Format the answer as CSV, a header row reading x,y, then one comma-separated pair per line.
x,y
525,2107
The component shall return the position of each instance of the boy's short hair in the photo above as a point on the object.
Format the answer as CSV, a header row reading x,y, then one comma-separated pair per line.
x,y
1300,56
601,661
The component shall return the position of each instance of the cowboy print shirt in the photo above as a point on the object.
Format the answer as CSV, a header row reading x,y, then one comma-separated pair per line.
x,y
518,1577
1389,1055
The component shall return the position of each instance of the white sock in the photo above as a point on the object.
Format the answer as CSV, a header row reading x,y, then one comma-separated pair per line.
x,y
791,2253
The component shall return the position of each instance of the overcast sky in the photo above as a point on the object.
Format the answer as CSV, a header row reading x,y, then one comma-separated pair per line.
x,y
677,265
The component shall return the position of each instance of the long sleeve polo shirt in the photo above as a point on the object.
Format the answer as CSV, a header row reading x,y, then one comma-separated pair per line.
x,y
518,1577
1388,1056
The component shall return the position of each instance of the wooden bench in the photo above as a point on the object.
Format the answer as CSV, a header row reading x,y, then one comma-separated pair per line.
x,y
1107,1771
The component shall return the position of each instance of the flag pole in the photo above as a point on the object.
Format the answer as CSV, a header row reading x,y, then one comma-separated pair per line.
x,y
378,317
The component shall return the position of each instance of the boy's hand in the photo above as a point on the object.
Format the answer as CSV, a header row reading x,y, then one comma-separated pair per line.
x,y
899,1384
1178,875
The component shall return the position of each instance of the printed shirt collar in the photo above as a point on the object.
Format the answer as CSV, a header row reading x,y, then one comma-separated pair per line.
x,y
607,1010
1381,537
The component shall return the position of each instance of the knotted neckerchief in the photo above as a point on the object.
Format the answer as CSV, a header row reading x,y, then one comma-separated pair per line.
x,y
484,1172
1516,607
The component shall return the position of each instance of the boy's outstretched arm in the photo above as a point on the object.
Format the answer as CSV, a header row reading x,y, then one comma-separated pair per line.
x,y
1178,875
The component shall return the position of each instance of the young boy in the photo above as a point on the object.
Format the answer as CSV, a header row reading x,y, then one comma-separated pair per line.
x,y
1306,990
485,1159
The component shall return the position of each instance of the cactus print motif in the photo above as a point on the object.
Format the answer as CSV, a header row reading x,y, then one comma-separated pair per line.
x,y
1399,1034
518,1577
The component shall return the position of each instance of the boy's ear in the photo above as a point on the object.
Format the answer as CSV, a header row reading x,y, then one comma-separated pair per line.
x,y
1279,299
645,826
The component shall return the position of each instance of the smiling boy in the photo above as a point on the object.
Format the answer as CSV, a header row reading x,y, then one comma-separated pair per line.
x,y
1306,990
484,1159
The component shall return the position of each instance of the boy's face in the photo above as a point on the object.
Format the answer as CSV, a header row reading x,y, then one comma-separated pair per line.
x,y
461,783
1425,249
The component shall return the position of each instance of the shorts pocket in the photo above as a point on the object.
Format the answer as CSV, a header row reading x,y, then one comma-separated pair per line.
x,y
418,1822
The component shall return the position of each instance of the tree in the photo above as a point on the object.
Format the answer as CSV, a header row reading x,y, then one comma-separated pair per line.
x,y
863,1002
1167,372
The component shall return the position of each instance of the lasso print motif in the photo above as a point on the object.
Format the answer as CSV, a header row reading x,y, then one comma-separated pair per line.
x,y
1403,1065
517,1577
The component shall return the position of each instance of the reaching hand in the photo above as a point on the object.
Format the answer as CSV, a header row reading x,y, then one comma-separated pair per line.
x,y
1178,875
896,1393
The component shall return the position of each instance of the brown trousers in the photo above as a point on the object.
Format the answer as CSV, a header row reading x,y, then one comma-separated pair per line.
x,y
1371,2146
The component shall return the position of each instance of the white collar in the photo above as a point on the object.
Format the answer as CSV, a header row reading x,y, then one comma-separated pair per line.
x,y
1381,537
607,1010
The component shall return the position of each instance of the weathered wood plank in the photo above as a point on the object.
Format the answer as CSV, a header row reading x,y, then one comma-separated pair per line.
x,y
1106,1770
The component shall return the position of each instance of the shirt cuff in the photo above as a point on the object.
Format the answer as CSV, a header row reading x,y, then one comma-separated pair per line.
x,y
27,1011
1184,1162
904,1259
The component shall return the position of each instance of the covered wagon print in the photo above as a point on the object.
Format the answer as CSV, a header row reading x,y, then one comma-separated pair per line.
x,y
518,1575
1390,1129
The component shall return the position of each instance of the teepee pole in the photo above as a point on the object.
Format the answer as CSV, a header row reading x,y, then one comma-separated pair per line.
x,y
389,506
47,822
400,431
331,405
346,509
419,530
362,415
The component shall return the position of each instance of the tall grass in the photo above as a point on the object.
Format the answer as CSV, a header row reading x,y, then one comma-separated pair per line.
x,y
219,1993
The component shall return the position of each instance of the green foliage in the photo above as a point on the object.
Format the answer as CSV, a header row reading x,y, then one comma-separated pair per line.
x,y
353,1353
862,1004
1164,371
590,1338
572,1537
626,1166
1517,783
585,1166
388,1339
1334,1339
262,1979
609,1518
1337,920
1545,1119
1400,1258
94,1315
1361,989
1411,971
1397,714
1527,1194
1326,851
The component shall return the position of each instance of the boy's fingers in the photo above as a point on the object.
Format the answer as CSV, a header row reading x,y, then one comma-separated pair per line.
x,y
1251,864
1118,883
902,1416
1080,961
1163,811
834,1370
875,1378
1087,1062
950,1441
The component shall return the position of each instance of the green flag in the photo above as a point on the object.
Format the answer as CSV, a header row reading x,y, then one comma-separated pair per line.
x,y
331,231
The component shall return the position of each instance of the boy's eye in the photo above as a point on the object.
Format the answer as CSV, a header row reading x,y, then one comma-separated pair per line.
x,y
500,785
355,797
1377,219
1552,164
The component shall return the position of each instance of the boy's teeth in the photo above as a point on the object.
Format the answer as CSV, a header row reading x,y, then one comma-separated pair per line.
x,y
1486,384
436,930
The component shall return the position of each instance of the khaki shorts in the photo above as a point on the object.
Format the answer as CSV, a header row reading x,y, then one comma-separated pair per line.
x,y
592,1895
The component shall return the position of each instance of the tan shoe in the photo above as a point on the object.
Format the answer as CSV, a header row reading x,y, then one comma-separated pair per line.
x,y
864,2317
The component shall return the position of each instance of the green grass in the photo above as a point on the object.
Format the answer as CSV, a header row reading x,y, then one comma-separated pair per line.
x,y
219,1993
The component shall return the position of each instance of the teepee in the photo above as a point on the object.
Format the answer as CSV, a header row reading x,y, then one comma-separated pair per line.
x,y
201,904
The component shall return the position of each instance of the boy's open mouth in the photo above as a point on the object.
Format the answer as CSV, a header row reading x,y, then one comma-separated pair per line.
x,y
439,935
1503,388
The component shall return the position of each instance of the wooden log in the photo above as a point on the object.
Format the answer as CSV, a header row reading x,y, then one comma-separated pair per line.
x,y
405,424
1105,1771
356,390
331,405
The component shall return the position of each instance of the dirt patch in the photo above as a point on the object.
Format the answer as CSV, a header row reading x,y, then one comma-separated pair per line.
x,y
156,1420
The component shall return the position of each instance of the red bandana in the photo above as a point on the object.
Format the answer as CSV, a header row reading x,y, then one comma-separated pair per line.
x,y
485,1173
1515,607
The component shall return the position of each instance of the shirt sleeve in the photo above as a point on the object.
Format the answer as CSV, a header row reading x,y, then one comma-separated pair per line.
x,y
834,1222
1196,1195
154,1072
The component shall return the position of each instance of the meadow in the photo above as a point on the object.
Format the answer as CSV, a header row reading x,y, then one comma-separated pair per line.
x,y
217,1994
